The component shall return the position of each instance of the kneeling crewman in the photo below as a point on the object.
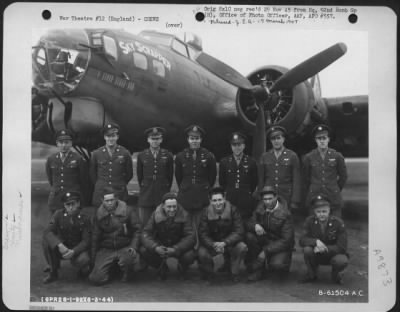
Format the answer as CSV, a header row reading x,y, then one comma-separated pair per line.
x,y
116,235
221,233
168,233
270,236
67,237
324,242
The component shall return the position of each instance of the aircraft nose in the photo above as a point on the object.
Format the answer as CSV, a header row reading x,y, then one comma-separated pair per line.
x,y
60,60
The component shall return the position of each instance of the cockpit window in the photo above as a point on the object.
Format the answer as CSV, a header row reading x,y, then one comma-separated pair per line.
x,y
179,47
140,60
193,53
158,68
159,38
110,47
41,57
96,39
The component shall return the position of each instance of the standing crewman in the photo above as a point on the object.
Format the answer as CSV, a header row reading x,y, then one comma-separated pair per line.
x,y
195,173
324,171
67,237
111,165
280,168
66,171
238,176
155,171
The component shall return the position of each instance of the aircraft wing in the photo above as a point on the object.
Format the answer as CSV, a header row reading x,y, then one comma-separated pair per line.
x,y
348,116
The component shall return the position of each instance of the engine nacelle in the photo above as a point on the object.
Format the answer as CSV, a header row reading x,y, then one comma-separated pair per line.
x,y
288,108
84,116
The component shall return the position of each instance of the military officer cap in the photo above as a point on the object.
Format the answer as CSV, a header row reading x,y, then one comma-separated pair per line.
x,y
194,130
68,196
110,128
320,129
63,134
154,132
275,130
217,190
169,195
237,137
268,190
319,201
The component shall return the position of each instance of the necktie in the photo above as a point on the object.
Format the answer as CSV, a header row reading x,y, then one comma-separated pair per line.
x,y
63,156
194,155
237,161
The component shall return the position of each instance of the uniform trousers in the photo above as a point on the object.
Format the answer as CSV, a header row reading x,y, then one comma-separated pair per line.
x,y
279,261
154,259
106,259
145,214
235,253
195,218
53,258
312,260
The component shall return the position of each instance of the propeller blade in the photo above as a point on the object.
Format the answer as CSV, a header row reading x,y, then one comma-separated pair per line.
x,y
259,135
309,67
67,109
223,71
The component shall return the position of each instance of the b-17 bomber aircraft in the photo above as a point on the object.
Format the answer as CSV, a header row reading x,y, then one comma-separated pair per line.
x,y
83,78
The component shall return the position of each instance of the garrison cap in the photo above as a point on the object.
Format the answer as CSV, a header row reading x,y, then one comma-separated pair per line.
x,y
319,201
274,130
169,195
268,190
321,128
110,128
195,130
73,195
63,134
154,132
237,137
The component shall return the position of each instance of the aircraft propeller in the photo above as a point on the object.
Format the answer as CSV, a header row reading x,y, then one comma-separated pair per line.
x,y
262,93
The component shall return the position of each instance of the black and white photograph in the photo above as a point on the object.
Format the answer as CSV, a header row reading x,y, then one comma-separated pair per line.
x,y
180,157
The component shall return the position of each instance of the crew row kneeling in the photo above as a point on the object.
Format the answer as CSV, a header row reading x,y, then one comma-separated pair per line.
x,y
115,239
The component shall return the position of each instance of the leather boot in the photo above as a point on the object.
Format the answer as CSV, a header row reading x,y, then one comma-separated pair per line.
x,y
255,276
50,277
126,276
337,277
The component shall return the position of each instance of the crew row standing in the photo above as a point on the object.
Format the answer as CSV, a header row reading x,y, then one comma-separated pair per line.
x,y
324,171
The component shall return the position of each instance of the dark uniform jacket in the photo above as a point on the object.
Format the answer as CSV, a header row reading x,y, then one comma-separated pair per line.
x,y
115,171
227,227
195,177
324,176
278,226
72,230
283,173
154,176
116,230
175,232
239,182
334,236
70,175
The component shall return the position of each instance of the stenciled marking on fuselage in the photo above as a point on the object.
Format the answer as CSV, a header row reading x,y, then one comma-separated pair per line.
x,y
130,47
112,79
